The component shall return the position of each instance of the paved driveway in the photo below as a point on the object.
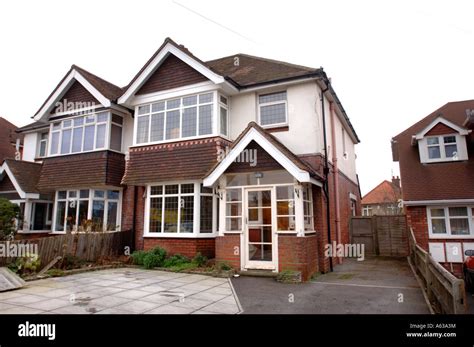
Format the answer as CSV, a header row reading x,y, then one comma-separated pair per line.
x,y
123,291
376,285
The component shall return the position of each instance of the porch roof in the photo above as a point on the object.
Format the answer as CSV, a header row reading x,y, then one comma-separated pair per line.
x,y
286,158
24,175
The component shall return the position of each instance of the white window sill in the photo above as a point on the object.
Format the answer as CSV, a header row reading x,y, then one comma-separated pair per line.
x,y
24,232
181,139
271,126
454,237
180,235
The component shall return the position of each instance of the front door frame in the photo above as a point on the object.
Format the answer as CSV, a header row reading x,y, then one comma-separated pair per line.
x,y
252,264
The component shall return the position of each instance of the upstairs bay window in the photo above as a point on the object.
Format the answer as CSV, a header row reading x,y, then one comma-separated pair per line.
x,y
86,133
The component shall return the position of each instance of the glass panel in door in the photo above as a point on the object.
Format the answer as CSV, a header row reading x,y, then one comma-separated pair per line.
x,y
259,236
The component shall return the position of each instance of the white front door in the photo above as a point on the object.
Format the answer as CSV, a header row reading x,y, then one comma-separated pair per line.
x,y
259,230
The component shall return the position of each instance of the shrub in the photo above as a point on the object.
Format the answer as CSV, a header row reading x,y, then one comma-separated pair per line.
x,y
8,213
151,260
70,261
223,266
137,257
199,259
29,263
176,260
160,252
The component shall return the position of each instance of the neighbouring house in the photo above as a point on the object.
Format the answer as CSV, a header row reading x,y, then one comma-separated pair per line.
x,y
383,200
436,158
8,140
224,157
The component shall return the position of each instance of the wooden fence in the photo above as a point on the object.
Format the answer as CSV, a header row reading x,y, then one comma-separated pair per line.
x,y
381,235
86,246
445,292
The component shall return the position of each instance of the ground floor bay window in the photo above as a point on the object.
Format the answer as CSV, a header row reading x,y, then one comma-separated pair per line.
x,y
87,210
180,210
451,222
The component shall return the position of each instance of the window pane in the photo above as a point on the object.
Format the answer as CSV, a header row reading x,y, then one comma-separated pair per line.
x,y
233,209
157,127
205,98
449,139
142,129
223,121
78,121
285,208
71,215
66,141
234,195
189,122
102,117
83,210
156,190
171,214
77,140
42,150
113,194
62,194
286,223
112,208
97,215
117,119
172,124
223,99
54,143
458,212
116,138
89,137
159,106
90,119
60,214
233,224
206,214
432,140
459,226
100,140
451,151
273,114
57,126
187,213
434,152
155,215
437,212
190,100
438,226
67,123
187,188
170,104
205,120
84,194
144,109
171,189
99,194
285,192
272,97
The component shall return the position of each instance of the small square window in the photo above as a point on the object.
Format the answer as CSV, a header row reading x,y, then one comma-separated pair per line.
x,y
205,98
434,152
159,106
62,194
171,189
144,109
187,188
156,190
432,140
99,194
84,194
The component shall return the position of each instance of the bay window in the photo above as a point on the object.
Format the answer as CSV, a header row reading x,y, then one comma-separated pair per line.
x,y
184,209
450,222
87,133
180,118
87,210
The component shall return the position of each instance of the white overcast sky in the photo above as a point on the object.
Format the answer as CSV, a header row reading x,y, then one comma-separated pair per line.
x,y
391,62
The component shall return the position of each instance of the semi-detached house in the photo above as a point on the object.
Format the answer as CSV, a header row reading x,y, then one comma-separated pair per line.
x,y
224,157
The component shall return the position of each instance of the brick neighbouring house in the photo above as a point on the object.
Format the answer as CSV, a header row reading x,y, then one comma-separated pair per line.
x,y
384,199
8,139
224,157
436,158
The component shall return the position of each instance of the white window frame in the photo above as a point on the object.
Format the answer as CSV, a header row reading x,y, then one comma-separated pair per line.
x,y
45,141
108,129
215,126
447,218
460,143
196,211
90,200
259,106
227,108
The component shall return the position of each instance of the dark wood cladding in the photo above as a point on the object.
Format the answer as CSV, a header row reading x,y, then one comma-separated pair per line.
x,y
94,169
77,93
172,73
185,160
264,162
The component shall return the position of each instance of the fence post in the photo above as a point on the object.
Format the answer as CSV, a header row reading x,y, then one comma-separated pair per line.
x,y
459,304
428,277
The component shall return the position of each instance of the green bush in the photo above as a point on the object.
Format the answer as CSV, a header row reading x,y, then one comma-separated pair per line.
x,y
28,264
160,252
151,260
8,213
137,257
176,260
199,259
223,266
70,262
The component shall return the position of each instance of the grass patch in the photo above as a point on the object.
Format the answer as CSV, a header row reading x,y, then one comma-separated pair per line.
x,y
346,276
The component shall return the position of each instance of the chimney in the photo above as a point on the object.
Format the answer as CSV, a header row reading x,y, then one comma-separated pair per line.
x,y
396,181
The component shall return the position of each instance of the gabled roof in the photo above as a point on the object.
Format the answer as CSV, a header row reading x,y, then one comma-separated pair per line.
x,y
440,119
385,192
24,176
105,92
287,159
454,112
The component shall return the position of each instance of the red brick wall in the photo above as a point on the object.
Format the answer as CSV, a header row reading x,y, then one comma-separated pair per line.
x,y
299,254
184,246
417,220
226,247
139,217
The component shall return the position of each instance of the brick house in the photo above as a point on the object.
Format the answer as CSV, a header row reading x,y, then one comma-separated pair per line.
x,y
8,139
436,158
224,157
384,199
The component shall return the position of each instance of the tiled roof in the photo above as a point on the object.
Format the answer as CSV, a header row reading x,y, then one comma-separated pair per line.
x,y
26,174
107,89
8,138
385,192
